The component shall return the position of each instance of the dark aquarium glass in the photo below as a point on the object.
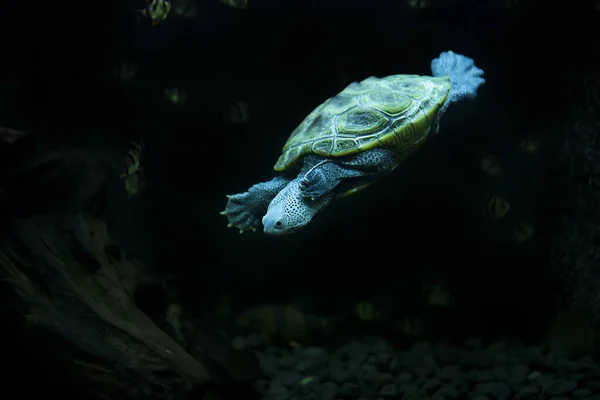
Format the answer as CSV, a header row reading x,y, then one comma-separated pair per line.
x,y
416,184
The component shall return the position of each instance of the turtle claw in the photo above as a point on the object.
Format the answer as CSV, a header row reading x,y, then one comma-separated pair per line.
x,y
239,212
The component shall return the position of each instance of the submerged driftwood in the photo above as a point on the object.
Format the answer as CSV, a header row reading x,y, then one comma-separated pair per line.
x,y
76,282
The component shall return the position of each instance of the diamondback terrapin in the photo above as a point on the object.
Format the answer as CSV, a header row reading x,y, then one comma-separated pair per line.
x,y
352,139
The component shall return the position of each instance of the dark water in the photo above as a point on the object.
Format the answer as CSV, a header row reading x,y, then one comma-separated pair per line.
x,y
423,223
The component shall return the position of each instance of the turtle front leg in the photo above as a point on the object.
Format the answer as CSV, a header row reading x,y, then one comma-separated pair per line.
x,y
245,210
320,176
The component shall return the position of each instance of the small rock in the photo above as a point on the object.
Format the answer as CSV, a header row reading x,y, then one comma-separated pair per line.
x,y
518,373
528,392
303,365
238,343
380,346
261,386
426,368
534,375
560,388
255,340
494,390
474,343
431,384
350,389
388,390
545,381
450,372
310,396
404,377
276,389
287,361
585,364
409,390
497,347
378,378
314,352
478,359
582,393
483,375
448,354
421,347
327,391
368,368
500,373
268,364
381,359
288,378
357,352
446,392
592,385
396,365
341,376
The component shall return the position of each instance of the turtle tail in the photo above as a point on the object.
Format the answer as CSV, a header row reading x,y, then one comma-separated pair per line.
x,y
466,78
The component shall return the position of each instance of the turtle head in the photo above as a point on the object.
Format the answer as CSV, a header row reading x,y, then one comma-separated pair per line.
x,y
289,210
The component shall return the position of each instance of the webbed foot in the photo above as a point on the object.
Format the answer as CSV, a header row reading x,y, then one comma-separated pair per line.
x,y
315,184
466,78
245,210
320,177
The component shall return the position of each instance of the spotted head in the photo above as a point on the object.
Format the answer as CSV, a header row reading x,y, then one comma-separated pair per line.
x,y
289,210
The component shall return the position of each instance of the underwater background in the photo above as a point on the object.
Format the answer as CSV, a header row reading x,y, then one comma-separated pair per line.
x,y
483,244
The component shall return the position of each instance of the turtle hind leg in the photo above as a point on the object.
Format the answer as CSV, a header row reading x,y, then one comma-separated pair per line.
x,y
321,176
466,78
245,210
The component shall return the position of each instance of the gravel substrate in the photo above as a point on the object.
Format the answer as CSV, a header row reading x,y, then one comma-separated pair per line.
x,y
373,369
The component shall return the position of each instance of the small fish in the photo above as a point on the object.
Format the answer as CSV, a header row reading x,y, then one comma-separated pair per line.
x,y
134,185
176,96
437,295
530,144
490,164
133,181
156,11
237,4
10,136
523,231
410,327
237,114
418,4
185,9
283,322
132,160
125,71
307,380
366,311
223,308
496,208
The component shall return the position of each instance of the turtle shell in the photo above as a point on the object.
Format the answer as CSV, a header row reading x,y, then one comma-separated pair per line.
x,y
396,112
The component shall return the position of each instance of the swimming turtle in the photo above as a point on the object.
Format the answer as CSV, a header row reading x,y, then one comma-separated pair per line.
x,y
350,140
